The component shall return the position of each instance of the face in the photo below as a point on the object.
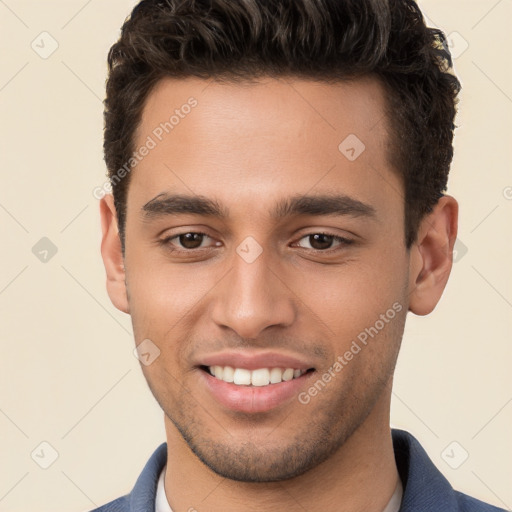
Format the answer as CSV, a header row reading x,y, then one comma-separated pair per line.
x,y
284,251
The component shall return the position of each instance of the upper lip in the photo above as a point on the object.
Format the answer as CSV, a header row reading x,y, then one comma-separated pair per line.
x,y
255,360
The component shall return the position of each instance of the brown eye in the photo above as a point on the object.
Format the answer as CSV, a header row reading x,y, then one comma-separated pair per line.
x,y
191,240
324,241
186,242
321,241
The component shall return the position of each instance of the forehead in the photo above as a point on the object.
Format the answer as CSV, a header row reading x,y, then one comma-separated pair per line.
x,y
249,142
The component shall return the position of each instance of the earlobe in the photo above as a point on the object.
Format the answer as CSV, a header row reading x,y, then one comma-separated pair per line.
x,y
112,255
432,256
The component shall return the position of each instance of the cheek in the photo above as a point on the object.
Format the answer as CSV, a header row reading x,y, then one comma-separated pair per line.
x,y
164,298
161,287
347,299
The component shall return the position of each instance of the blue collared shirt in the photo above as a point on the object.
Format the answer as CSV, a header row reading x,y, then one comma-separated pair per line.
x,y
425,488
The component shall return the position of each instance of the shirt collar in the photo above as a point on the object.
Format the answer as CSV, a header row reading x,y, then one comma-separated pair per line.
x,y
425,488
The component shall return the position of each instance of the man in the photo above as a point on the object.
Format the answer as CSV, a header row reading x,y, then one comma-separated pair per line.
x,y
278,171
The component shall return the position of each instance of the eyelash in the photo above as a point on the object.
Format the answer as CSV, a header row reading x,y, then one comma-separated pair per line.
x,y
166,242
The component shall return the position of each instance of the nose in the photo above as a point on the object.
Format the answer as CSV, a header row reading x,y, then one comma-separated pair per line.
x,y
252,297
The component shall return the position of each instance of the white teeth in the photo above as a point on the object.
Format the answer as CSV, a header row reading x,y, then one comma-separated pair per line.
x,y
242,376
259,377
288,374
276,375
229,374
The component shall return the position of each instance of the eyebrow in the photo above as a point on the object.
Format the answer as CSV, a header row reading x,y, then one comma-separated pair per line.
x,y
316,205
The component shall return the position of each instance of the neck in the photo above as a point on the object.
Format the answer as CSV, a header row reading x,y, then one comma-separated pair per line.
x,y
360,476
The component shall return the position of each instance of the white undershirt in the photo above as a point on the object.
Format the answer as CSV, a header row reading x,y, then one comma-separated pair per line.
x,y
162,505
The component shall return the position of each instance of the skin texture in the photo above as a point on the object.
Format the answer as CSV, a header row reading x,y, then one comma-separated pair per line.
x,y
248,146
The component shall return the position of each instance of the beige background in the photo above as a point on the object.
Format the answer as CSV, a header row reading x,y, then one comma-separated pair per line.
x,y
68,376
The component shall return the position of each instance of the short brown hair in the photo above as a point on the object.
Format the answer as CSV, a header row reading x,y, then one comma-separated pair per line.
x,y
317,39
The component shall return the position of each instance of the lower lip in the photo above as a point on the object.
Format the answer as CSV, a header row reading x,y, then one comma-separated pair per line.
x,y
253,399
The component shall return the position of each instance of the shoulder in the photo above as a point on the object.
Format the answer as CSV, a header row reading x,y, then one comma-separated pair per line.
x,y
119,505
469,504
425,487
142,497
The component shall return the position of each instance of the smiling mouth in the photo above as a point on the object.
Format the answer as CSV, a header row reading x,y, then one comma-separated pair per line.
x,y
257,378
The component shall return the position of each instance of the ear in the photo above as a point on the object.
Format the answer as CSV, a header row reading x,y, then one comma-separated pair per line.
x,y
432,256
112,255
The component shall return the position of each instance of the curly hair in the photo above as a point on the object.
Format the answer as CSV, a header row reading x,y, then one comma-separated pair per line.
x,y
325,40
